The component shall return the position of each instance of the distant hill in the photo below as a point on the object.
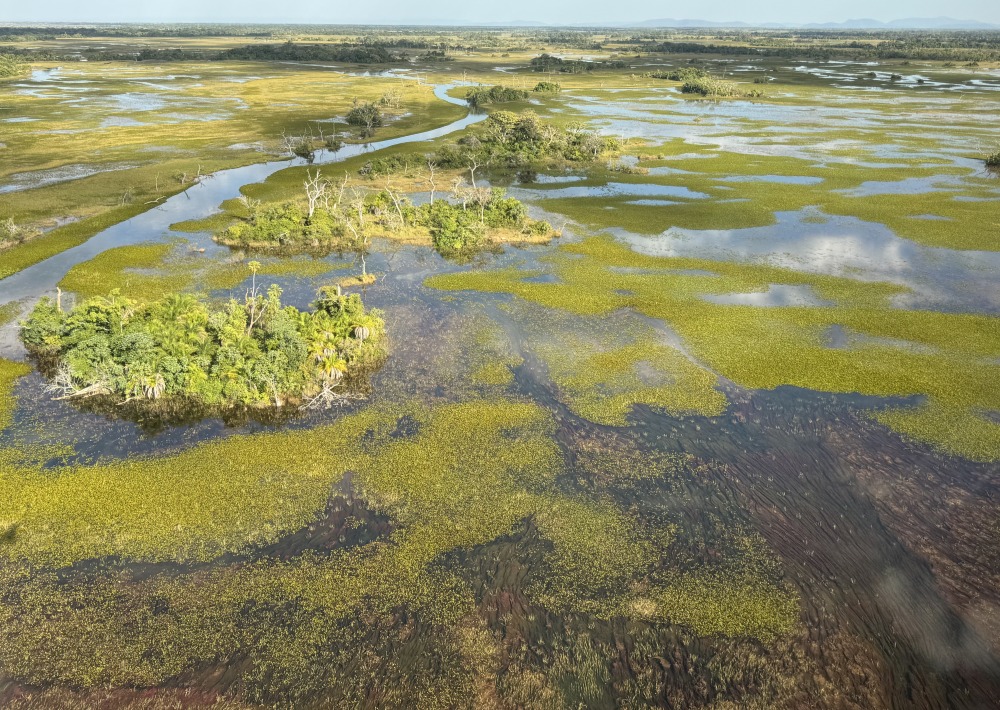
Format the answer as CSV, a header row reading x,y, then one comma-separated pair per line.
x,y
910,23
914,23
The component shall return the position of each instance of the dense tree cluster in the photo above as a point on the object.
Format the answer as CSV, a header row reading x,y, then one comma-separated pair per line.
x,y
253,353
480,96
510,140
547,87
289,51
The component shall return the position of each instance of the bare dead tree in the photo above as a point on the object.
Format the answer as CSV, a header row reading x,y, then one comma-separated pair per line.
x,y
431,168
395,202
317,189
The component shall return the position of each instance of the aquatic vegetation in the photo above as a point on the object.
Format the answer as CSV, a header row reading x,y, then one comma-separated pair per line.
x,y
194,506
992,160
767,347
253,353
951,426
732,606
451,477
603,367
597,554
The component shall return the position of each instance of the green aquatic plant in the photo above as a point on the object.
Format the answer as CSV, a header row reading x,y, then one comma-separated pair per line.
x,y
9,374
765,347
252,353
734,606
992,160
602,368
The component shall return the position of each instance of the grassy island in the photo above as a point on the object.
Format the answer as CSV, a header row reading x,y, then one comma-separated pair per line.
x,y
251,353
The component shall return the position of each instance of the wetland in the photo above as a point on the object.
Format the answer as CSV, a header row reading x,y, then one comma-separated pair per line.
x,y
344,367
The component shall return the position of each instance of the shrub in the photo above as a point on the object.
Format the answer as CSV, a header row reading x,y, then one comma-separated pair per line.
x,y
481,95
12,233
710,87
367,115
547,87
682,74
453,230
12,65
993,160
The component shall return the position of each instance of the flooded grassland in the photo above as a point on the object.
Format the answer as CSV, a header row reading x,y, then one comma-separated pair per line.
x,y
731,440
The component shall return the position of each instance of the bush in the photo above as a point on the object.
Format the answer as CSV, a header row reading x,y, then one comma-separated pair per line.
x,y
993,160
12,65
366,115
389,165
291,52
12,233
547,87
682,74
254,352
513,141
481,96
710,87
453,230
282,225
548,63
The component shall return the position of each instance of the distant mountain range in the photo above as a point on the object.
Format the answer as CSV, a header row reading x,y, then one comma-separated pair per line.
x,y
910,23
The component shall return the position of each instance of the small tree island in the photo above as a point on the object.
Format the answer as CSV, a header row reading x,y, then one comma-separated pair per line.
x,y
249,353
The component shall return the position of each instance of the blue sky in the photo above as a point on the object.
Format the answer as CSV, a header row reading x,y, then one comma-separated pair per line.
x,y
550,11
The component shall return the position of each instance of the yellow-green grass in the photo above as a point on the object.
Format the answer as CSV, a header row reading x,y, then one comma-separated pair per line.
x,y
603,367
730,605
151,270
761,347
465,475
285,99
967,224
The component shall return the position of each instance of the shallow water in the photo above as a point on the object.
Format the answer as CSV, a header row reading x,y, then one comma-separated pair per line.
x,y
897,594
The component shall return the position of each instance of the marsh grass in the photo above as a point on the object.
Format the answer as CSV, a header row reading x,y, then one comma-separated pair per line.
x,y
153,270
766,347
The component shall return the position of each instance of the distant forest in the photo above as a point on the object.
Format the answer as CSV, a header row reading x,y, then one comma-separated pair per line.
x,y
373,45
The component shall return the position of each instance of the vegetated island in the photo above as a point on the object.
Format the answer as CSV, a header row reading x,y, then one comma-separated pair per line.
x,y
253,352
471,217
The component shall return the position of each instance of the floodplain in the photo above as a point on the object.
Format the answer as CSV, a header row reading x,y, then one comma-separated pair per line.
x,y
723,432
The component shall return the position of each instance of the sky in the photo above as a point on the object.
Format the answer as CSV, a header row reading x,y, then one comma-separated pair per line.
x,y
465,11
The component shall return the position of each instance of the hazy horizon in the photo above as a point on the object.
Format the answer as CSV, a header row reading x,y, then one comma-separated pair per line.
x,y
558,12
